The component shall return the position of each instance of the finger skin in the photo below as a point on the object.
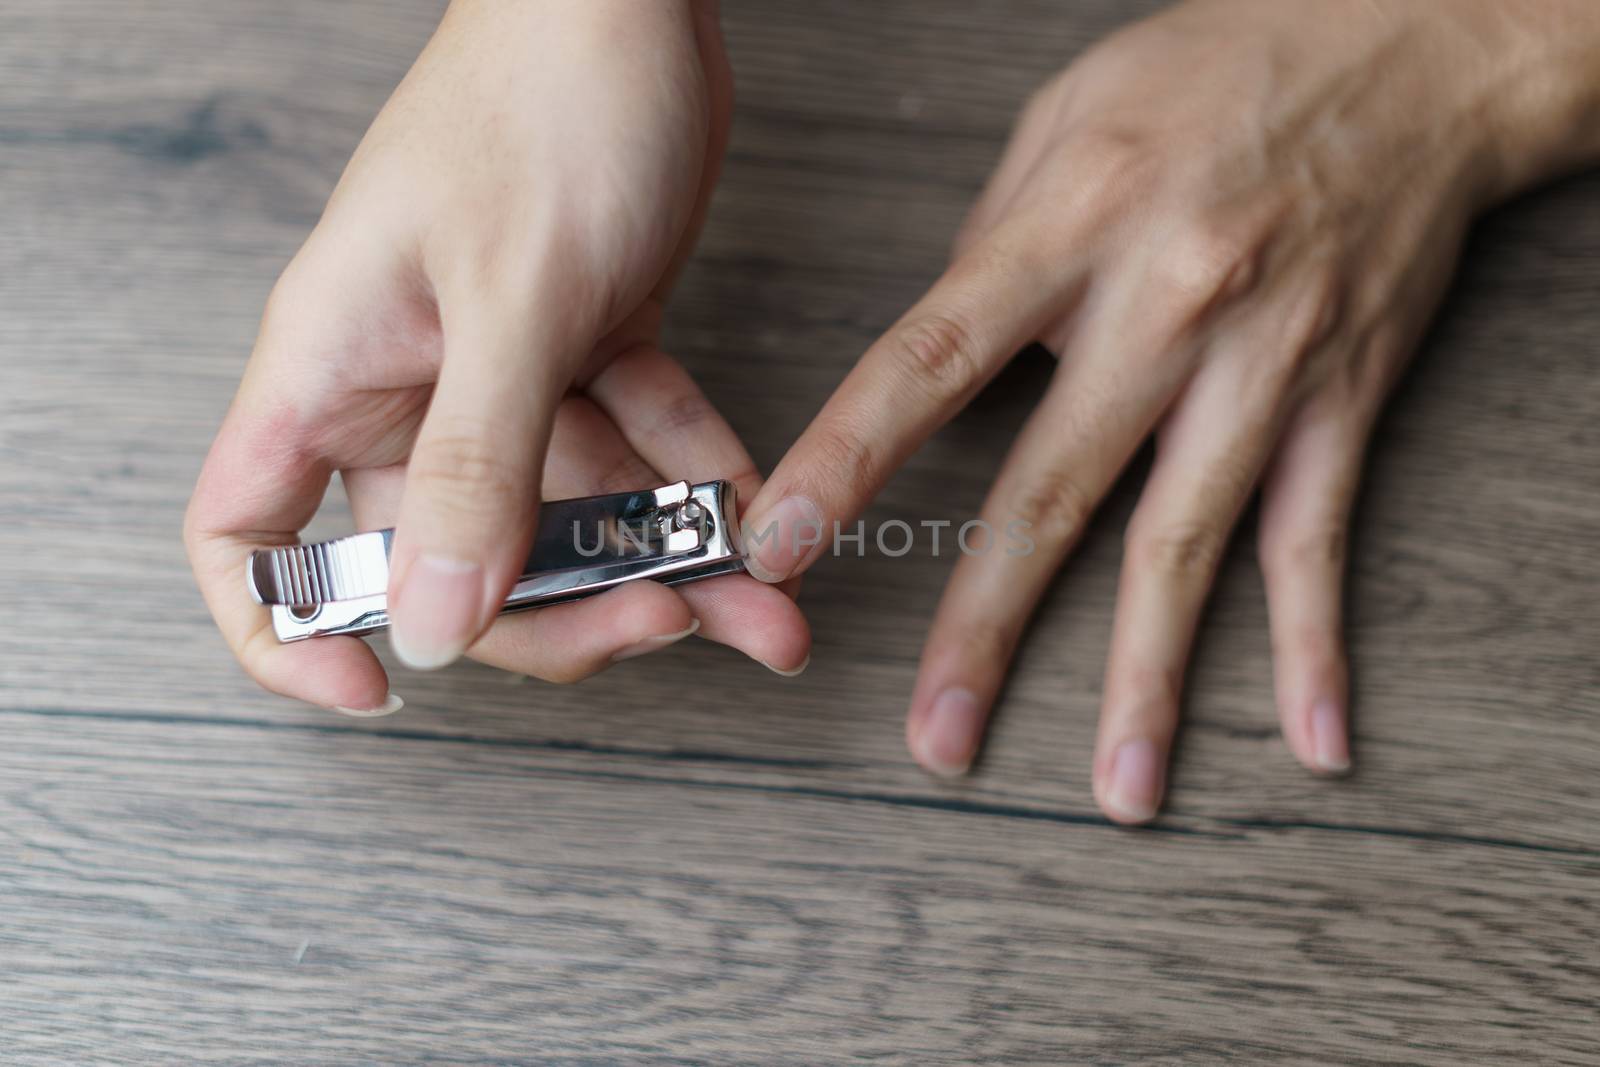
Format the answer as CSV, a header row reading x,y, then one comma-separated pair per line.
x,y
758,619
256,490
567,643
1306,502
674,430
471,498
1069,453
1210,454
661,412
991,303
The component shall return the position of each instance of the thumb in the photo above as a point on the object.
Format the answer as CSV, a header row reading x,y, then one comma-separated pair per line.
x,y
471,494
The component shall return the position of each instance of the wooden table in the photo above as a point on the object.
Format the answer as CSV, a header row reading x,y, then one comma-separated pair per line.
x,y
690,859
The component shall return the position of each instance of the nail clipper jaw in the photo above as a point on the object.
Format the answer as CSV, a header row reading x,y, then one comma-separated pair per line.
x,y
677,533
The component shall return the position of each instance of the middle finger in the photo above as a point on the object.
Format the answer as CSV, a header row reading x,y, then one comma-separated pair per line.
x,y
1211,451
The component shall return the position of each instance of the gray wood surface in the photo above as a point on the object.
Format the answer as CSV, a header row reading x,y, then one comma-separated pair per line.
x,y
689,859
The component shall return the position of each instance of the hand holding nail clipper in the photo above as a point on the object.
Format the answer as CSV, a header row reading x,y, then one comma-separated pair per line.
x,y
472,329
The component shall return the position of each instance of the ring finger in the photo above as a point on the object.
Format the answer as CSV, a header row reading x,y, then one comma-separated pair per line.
x,y
1210,453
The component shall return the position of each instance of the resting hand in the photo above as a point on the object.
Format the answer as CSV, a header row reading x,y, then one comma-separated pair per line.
x,y
1231,223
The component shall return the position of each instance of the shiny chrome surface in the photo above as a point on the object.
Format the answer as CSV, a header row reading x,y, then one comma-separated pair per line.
x,y
677,533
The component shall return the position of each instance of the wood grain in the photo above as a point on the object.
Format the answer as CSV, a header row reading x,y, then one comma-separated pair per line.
x,y
751,871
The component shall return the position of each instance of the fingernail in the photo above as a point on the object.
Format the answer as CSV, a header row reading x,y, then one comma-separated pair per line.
x,y
948,738
653,644
1330,740
783,538
391,704
443,599
1133,792
796,672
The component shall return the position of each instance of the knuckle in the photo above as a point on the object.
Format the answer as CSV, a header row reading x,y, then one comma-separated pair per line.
x,y
981,641
501,268
988,643
842,454
282,299
1231,476
464,473
1310,320
287,301
1111,163
1320,307
1042,107
1041,101
1316,550
1313,647
1053,507
1149,692
1185,551
939,355
304,283
682,414
297,279
1205,263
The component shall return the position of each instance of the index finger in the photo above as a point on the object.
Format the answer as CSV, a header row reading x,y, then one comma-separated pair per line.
x,y
992,302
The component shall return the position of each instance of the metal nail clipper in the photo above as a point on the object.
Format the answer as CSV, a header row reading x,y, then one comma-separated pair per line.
x,y
677,533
